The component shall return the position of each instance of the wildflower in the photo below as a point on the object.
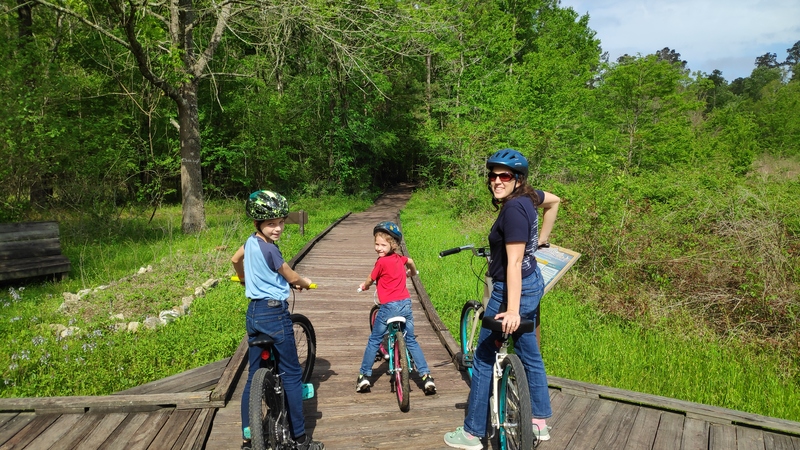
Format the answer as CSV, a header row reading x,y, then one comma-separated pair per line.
x,y
14,319
37,341
43,359
97,333
13,366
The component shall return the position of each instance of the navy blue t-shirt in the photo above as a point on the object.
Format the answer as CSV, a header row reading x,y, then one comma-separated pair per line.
x,y
518,221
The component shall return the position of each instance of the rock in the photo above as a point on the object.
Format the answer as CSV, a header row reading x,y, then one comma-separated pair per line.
x,y
69,331
133,327
152,322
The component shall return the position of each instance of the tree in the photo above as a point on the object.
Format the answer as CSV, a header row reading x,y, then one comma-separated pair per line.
x,y
769,60
671,56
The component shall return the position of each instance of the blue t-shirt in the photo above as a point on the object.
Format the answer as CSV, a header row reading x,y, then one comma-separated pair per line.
x,y
261,263
518,221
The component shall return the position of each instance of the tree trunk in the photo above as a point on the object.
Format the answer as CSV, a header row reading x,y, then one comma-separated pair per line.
x,y
191,173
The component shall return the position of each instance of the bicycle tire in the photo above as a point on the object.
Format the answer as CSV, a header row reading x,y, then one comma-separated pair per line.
x,y
402,385
470,328
306,341
516,429
262,416
373,314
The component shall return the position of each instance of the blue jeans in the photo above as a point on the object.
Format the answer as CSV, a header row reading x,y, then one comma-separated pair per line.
x,y
386,312
525,346
277,323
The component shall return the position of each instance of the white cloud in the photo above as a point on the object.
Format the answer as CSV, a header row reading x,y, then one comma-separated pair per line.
x,y
709,34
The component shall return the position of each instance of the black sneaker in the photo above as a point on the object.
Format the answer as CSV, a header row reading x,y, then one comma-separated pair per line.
x,y
362,384
430,386
309,444
246,445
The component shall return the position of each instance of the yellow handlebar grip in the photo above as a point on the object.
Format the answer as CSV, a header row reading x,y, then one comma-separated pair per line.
x,y
235,278
312,286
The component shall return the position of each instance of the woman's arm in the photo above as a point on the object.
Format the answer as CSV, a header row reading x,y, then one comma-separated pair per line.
x,y
549,211
515,252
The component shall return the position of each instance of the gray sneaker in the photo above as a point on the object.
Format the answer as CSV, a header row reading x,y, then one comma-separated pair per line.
x,y
460,439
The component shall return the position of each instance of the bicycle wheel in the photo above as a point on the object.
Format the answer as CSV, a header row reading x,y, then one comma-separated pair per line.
x,y
373,314
263,431
306,341
470,329
401,376
516,429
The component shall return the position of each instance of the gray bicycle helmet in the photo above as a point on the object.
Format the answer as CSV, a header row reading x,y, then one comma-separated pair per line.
x,y
389,227
510,158
266,205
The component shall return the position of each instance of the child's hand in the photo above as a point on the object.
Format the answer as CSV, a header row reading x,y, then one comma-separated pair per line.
x,y
363,287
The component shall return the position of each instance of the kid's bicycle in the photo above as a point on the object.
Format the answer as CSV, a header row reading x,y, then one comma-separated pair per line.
x,y
269,426
393,348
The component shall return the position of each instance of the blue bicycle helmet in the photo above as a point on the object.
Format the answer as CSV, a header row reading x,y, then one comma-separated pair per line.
x,y
389,227
510,158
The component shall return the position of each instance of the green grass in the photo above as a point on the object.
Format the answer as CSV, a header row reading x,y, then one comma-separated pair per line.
x,y
581,343
35,361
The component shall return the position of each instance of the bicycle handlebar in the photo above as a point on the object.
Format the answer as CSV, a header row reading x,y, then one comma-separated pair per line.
x,y
453,251
236,279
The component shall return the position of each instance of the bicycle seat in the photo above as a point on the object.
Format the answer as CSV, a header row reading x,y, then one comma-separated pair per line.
x,y
525,325
261,340
400,319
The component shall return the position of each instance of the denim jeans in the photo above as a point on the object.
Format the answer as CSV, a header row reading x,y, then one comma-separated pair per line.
x,y
525,346
386,312
277,323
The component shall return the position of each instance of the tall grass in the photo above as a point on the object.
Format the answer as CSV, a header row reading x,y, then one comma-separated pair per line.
x,y
35,360
674,358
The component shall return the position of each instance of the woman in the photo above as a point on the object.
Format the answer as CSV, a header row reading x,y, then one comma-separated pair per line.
x,y
517,290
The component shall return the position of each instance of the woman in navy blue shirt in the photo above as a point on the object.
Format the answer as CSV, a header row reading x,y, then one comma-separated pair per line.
x,y
517,290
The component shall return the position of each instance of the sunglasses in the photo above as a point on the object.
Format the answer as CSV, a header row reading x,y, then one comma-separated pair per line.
x,y
505,177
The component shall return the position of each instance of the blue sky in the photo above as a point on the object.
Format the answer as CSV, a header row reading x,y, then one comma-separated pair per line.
x,y
709,34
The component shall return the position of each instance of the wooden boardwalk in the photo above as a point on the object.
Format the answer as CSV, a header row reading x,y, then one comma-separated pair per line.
x,y
200,408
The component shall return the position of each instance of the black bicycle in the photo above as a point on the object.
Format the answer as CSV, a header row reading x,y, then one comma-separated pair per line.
x,y
269,422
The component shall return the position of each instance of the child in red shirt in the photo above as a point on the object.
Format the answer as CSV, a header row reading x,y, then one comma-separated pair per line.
x,y
390,275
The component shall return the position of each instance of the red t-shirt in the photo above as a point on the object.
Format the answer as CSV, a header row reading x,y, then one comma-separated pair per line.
x,y
390,276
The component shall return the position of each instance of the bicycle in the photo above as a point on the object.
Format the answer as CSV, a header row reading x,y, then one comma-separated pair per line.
x,y
269,426
510,402
393,348
472,311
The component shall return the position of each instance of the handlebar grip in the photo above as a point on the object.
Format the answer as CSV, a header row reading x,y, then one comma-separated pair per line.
x,y
448,252
312,286
235,278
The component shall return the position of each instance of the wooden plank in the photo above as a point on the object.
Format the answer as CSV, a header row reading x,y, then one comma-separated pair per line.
x,y
24,231
721,437
33,267
108,402
196,438
643,431
192,380
124,433
31,430
225,385
592,426
173,428
774,441
749,439
619,426
5,418
148,430
79,431
14,425
695,434
670,431
102,431
568,422
30,249
690,409
54,432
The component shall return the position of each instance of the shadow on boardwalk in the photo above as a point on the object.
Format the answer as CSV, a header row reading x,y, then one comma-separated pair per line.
x,y
200,408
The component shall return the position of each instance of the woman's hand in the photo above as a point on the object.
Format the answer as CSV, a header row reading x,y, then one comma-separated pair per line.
x,y
511,321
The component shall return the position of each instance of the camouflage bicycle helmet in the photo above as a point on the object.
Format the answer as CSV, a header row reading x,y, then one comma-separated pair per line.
x,y
389,227
510,158
266,205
